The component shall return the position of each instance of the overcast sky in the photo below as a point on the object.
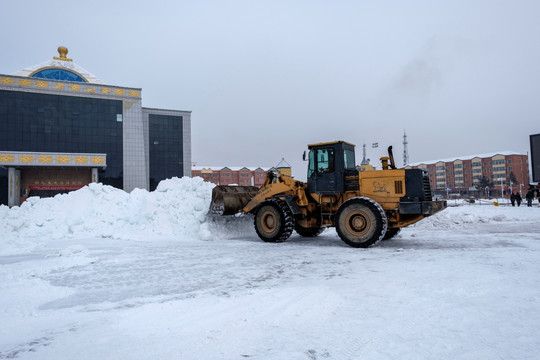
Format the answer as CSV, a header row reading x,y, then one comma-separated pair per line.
x,y
265,78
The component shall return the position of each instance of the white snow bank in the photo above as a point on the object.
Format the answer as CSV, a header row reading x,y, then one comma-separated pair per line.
x,y
456,216
175,209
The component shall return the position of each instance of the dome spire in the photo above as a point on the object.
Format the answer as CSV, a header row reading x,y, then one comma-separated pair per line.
x,y
62,51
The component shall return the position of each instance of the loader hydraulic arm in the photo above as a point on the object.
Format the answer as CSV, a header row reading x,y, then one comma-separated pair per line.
x,y
276,185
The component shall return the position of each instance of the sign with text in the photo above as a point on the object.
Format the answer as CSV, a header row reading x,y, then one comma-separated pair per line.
x,y
535,157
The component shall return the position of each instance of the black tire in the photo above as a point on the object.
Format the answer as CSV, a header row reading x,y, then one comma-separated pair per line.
x,y
390,233
361,222
274,221
308,232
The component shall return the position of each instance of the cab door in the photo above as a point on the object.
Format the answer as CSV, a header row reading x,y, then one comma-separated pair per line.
x,y
321,171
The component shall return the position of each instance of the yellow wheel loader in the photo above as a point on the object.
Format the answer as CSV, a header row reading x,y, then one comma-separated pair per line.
x,y
364,206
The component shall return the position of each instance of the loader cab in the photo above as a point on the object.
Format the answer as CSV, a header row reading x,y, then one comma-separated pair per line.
x,y
329,164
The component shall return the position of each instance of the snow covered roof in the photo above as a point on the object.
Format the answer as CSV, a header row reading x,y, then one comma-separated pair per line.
x,y
59,68
232,168
466,157
283,164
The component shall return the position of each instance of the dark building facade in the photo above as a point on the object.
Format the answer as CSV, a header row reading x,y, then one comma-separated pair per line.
x,y
535,157
165,148
62,120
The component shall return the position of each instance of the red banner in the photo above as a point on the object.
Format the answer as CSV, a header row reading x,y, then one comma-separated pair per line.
x,y
55,187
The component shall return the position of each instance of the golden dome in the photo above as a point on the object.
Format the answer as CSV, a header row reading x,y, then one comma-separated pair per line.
x,y
62,51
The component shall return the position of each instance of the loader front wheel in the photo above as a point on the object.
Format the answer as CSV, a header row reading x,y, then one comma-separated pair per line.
x,y
274,221
361,222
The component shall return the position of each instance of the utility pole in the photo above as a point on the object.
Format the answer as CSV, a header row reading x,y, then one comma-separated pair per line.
x,y
405,149
364,160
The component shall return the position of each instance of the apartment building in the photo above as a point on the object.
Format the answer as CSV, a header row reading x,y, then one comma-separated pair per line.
x,y
224,175
462,175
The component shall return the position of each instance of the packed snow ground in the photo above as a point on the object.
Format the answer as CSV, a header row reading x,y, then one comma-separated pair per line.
x,y
100,273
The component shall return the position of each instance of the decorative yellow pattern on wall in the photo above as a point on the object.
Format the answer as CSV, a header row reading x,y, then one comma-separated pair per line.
x,y
7,81
45,159
81,159
41,84
62,86
98,160
63,159
7,158
26,158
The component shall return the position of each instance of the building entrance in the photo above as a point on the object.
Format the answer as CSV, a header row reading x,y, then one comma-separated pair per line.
x,y
48,174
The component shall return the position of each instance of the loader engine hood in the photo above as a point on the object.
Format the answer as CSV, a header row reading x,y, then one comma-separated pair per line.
x,y
418,198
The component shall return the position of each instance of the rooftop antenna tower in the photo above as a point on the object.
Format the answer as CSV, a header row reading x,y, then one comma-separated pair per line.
x,y
405,149
364,160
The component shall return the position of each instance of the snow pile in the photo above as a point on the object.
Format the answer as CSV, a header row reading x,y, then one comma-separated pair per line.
x,y
454,217
175,209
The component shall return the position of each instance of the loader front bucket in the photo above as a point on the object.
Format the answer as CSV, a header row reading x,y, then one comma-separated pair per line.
x,y
229,200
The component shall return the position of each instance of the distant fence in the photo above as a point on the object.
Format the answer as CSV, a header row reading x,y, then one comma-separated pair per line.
x,y
486,202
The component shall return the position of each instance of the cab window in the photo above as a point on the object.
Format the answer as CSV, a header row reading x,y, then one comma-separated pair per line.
x,y
325,160
311,167
348,156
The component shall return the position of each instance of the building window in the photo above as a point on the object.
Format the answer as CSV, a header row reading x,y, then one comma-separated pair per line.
x,y
67,124
166,154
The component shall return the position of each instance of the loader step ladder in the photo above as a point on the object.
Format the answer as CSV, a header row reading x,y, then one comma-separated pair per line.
x,y
328,201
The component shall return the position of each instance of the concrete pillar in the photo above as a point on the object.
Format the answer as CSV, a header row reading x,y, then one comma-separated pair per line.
x,y
95,176
14,187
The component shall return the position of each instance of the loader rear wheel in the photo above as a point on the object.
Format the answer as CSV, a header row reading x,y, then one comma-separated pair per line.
x,y
390,233
361,222
274,221
308,232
